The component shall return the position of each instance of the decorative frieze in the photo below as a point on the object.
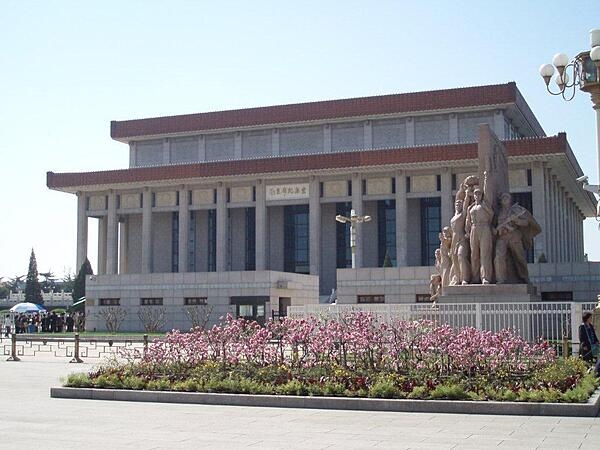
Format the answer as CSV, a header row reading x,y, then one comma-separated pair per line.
x,y
377,186
241,194
202,197
97,203
130,201
166,199
423,183
335,188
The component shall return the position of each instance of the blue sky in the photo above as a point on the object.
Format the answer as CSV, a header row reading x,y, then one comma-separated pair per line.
x,y
69,67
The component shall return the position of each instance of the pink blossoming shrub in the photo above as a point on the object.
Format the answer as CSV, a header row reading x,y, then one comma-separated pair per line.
x,y
354,355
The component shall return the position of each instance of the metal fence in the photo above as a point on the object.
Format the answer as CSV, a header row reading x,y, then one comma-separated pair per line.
x,y
532,321
77,348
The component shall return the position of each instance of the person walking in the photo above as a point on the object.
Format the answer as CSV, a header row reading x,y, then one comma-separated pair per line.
x,y
588,340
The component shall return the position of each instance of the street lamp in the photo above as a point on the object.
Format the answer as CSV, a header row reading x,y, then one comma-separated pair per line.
x,y
353,220
584,72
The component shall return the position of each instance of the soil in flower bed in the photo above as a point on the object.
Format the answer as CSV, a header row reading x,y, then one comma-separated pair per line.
x,y
355,356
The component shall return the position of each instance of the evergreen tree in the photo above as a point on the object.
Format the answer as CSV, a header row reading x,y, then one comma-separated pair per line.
x,y
387,261
79,283
33,290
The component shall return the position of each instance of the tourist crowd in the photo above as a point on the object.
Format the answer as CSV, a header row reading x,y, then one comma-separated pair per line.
x,y
51,322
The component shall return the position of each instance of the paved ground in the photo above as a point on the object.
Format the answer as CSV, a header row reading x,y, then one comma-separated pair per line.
x,y
31,419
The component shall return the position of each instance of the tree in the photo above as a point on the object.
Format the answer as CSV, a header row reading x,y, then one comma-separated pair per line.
x,y
33,290
79,283
387,261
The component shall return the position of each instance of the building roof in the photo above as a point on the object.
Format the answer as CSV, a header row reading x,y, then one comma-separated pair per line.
x,y
478,96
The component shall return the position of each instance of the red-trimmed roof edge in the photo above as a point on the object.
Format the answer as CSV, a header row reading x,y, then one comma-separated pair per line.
x,y
311,162
319,110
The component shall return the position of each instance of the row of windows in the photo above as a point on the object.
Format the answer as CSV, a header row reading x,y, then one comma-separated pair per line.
x,y
563,296
154,301
386,133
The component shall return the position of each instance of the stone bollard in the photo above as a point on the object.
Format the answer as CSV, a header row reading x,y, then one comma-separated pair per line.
x,y
565,346
145,344
13,348
76,358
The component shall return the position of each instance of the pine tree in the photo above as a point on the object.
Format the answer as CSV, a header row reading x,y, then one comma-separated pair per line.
x,y
79,283
387,261
33,290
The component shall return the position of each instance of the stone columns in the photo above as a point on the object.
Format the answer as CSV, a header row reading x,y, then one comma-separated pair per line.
x,y
112,235
221,228
368,134
314,220
327,138
101,246
410,132
123,238
357,206
261,226
82,230
453,129
184,226
549,216
147,231
538,194
401,220
446,203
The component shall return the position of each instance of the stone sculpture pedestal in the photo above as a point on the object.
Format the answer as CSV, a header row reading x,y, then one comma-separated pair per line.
x,y
490,293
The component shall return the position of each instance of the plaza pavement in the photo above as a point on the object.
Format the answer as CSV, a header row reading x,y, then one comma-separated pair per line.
x,y
31,419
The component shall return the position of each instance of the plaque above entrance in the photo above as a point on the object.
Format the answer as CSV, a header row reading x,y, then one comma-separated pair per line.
x,y
287,191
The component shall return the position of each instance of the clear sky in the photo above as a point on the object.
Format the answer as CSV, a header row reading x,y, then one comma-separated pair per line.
x,y
67,68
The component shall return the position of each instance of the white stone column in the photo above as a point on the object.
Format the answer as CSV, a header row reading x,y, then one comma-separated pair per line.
x,y
101,246
123,245
401,220
563,231
410,132
326,138
166,151
112,235
368,134
538,194
82,230
132,154
147,231
446,197
499,125
314,220
275,142
237,145
184,226
557,228
261,226
221,228
358,207
549,216
201,148
453,128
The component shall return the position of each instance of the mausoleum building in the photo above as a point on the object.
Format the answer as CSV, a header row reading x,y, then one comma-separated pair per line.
x,y
236,209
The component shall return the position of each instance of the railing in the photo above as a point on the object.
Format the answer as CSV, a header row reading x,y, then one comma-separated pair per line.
x,y
75,347
532,321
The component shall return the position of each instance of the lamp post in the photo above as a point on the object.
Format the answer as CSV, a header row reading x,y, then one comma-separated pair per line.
x,y
584,72
354,219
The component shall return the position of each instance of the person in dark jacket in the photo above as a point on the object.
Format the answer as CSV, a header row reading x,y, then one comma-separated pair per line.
x,y
588,340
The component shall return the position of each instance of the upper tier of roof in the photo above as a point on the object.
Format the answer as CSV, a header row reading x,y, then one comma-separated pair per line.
x,y
382,105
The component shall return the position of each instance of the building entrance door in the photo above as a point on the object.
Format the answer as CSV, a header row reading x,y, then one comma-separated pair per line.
x,y
250,307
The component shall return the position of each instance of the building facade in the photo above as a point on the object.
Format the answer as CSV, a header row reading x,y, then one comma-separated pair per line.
x,y
257,190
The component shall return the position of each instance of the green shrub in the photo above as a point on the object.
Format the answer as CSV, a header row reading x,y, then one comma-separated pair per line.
x,y
292,387
449,391
133,382
419,392
158,385
383,388
78,380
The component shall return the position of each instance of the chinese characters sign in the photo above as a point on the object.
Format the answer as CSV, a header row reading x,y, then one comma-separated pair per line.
x,y
287,191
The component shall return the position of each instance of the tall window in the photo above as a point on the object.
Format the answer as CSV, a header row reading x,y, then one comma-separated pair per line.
x,y
212,240
431,225
175,242
250,239
296,245
386,224
342,237
524,199
192,242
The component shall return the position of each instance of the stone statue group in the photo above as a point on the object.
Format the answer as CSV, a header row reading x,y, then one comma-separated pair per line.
x,y
486,240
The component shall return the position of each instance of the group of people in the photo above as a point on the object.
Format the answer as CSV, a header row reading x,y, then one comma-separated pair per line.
x,y
43,323
485,241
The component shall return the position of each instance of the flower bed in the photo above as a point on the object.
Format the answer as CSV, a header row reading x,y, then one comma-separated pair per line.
x,y
355,356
